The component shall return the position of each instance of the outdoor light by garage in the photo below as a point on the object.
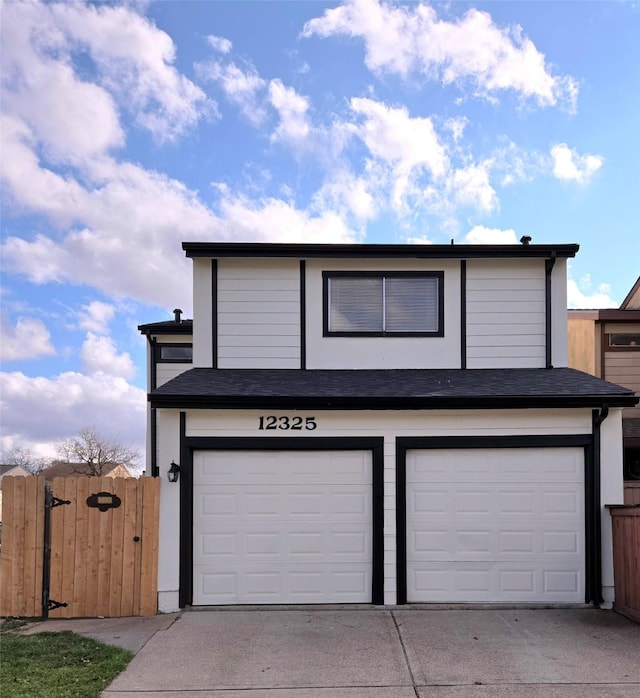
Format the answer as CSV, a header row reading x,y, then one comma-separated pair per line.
x,y
174,472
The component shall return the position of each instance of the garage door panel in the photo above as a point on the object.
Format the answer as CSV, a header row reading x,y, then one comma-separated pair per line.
x,y
284,538
476,582
296,584
515,539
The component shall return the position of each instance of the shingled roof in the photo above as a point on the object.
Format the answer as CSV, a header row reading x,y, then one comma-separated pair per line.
x,y
388,389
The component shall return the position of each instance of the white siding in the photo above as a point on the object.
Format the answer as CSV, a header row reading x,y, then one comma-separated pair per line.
x,y
559,315
258,314
165,372
506,314
202,314
383,352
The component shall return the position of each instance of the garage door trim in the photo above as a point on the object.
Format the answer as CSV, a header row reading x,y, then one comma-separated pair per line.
x,y
404,444
191,444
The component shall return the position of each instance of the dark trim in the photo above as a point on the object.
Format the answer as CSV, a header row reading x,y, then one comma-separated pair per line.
x,y
157,353
214,313
593,512
403,444
327,275
303,314
619,347
374,251
186,516
153,416
426,402
190,444
463,313
548,308
153,441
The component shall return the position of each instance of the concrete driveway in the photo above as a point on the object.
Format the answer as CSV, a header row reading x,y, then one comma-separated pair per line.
x,y
378,653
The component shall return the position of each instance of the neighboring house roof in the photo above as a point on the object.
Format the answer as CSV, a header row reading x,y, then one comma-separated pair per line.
x,y
373,251
76,469
631,428
632,301
12,471
388,389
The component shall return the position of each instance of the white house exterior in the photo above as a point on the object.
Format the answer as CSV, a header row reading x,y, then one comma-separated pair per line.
x,y
381,424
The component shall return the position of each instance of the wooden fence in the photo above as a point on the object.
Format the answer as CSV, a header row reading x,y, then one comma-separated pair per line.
x,y
632,492
87,548
625,522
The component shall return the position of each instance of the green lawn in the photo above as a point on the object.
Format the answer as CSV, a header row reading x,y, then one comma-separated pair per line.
x,y
57,665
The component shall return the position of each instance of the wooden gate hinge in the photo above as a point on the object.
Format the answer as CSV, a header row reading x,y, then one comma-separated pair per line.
x,y
56,502
52,605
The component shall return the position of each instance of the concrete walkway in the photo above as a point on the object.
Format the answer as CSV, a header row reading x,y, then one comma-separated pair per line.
x,y
376,653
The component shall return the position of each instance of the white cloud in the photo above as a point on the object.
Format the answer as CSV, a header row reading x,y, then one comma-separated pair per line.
x,y
479,235
580,294
292,109
406,142
570,166
274,220
38,411
243,87
411,39
96,316
28,339
219,43
99,355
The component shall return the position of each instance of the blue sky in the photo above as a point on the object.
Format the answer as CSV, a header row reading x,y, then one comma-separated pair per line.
x,y
130,127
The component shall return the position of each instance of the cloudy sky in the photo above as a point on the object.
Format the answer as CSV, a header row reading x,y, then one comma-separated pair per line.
x,y
129,127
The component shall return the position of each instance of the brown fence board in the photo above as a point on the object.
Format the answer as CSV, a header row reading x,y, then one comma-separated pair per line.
x,y
98,568
22,547
626,559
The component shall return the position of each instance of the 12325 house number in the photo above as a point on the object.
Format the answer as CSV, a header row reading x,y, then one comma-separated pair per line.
x,y
271,422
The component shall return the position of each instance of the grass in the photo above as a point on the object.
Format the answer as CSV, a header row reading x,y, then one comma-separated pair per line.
x,y
57,665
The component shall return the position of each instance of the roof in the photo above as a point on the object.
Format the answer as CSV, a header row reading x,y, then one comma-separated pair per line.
x,y
300,251
632,301
62,469
388,389
167,327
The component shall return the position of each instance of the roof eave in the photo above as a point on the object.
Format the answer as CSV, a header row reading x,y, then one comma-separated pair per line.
x,y
236,402
375,251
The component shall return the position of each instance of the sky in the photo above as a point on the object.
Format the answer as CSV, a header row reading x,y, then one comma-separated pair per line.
x,y
129,127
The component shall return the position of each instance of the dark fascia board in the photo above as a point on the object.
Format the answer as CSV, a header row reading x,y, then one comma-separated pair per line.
x,y
606,314
169,327
389,403
373,251
634,289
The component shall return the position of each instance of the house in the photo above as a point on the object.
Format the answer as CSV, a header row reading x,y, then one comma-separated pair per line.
x,y
606,343
65,469
9,470
381,424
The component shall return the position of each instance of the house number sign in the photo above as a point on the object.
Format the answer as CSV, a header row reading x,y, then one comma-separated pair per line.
x,y
104,501
272,422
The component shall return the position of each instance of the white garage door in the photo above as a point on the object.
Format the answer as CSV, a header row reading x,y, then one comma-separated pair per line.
x,y
282,527
502,525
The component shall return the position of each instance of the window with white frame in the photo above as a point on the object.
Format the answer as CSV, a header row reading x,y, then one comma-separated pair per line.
x,y
376,304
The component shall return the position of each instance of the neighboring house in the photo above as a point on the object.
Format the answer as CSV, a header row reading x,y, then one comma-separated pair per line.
x,y
380,424
8,470
606,343
62,469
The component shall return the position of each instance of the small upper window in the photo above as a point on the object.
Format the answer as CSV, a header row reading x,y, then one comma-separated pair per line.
x,y
174,353
624,340
383,303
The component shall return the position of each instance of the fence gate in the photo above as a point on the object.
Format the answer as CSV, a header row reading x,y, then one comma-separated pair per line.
x,y
80,547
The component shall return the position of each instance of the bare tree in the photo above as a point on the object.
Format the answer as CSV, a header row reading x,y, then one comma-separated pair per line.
x,y
24,458
94,453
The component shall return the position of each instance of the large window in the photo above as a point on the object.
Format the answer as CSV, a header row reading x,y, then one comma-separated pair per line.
x,y
376,304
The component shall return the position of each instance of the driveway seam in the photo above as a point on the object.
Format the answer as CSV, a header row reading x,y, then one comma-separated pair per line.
x,y
404,653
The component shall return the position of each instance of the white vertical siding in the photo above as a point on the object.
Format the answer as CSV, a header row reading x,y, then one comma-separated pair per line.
x,y
202,314
506,314
559,319
258,314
